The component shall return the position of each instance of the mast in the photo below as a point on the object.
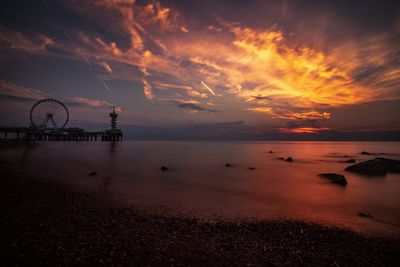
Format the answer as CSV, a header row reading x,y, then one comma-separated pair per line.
x,y
113,119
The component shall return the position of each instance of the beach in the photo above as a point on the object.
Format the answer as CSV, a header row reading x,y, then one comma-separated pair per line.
x,y
65,215
46,222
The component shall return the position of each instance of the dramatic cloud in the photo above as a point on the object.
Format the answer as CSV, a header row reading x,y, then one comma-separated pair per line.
x,y
293,68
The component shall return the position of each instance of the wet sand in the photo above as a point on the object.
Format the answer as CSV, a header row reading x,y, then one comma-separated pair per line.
x,y
46,222
14,143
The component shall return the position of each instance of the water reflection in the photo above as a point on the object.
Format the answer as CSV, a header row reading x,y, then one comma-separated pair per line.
x,y
199,182
110,168
26,150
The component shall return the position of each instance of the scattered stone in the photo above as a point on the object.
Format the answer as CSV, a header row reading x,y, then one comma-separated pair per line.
x,y
365,153
251,168
94,173
289,159
335,178
392,165
163,168
364,214
87,228
228,165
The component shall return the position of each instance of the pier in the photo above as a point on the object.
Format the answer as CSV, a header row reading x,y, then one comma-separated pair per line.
x,y
67,134
47,130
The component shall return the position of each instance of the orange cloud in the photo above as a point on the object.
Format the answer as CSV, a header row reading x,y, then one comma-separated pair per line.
x,y
155,13
291,79
208,88
310,115
106,67
260,109
189,89
303,130
288,115
18,41
11,89
184,29
148,90
92,102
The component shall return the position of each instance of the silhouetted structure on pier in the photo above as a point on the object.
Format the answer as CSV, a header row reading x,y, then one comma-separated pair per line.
x,y
56,113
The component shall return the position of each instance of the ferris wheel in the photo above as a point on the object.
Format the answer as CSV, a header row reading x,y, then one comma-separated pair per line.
x,y
49,114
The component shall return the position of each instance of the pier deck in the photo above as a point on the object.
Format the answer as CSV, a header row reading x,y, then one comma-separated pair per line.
x,y
66,134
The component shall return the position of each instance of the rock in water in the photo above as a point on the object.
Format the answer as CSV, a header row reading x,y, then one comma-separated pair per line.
x,y
392,165
163,168
349,161
228,165
251,168
364,214
335,178
289,159
369,167
92,173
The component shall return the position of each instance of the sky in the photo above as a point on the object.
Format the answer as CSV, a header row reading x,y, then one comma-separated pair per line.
x,y
209,69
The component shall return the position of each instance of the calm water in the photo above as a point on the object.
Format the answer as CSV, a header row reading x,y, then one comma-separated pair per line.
x,y
199,183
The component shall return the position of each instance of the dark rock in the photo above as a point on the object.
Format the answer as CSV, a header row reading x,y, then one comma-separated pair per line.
x,y
92,173
251,168
335,178
289,159
349,161
271,152
364,214
365,153
163,168
392,165
369,167
228,165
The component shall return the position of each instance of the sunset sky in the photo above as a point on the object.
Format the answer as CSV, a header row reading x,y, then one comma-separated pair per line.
x,y
207,69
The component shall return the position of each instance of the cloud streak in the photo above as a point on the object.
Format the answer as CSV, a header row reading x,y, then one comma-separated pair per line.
x,y
92,102
190,105
20,91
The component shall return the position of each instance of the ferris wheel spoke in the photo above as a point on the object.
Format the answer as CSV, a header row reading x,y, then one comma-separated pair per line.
x,y
45,121
54,123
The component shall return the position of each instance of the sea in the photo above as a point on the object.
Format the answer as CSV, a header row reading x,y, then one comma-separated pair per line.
x,y
199,184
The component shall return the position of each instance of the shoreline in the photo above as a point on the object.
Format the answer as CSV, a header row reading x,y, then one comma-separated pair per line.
x,y
52,223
